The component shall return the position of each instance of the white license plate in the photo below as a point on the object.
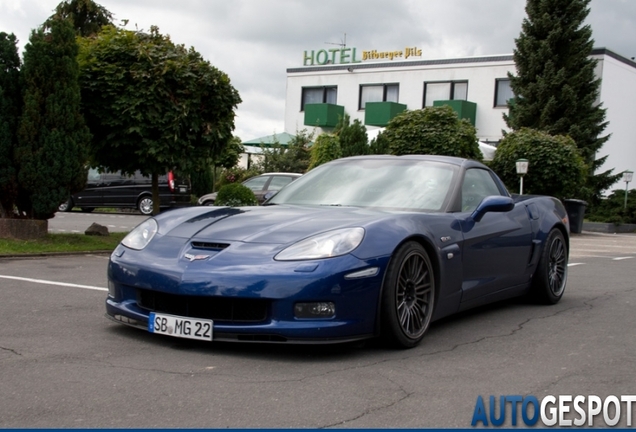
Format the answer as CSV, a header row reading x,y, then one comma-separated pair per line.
x,y
182,327
182,189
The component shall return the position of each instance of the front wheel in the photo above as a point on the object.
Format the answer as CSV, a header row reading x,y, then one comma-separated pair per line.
x,y
144,205
408,296
548,283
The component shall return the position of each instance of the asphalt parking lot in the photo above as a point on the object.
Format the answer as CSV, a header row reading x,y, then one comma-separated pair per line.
x,y
65,365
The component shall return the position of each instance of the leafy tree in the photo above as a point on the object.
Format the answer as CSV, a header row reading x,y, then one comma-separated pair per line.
x,y
555,87
153,105
325,149
51,154
86,16
353,137
293,157
555,166
432,130
10,107
203,180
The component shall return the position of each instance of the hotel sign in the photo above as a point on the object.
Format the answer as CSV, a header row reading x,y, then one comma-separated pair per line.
x,y
351,55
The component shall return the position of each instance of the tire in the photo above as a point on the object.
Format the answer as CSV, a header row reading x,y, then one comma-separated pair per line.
x,y
548,283
144,205
408,296
208,203
66,206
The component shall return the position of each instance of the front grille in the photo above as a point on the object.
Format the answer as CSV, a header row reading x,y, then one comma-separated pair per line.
x,y
214,308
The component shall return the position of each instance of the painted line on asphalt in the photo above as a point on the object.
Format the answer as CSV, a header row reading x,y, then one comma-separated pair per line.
x,y
46,282
575,264
622,258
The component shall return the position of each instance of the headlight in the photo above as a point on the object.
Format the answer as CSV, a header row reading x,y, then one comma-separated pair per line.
x,y
139,237
329,244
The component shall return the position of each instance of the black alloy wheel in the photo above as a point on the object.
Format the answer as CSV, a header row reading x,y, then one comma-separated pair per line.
x,y
408,297
552,271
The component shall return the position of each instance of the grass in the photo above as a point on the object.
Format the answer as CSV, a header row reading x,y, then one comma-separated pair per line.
x,y
58,243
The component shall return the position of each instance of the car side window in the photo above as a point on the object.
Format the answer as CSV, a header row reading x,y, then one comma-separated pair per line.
x,y
477,185
257,183
278,182
93,175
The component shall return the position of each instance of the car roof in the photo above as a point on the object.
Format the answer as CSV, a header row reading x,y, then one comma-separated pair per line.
x,y
434,158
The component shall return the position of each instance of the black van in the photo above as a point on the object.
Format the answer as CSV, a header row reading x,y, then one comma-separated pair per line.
x,y
113,189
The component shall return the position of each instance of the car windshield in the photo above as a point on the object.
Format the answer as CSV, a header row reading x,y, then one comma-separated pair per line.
x,y
404,184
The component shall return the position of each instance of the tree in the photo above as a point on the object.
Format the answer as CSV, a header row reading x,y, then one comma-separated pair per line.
x,y
86,16
51,154
325,149
353,137
293,157
555,166
152,105
432,130
10,107
555,87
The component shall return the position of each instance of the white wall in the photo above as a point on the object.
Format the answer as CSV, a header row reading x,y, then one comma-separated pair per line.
x,y
618,94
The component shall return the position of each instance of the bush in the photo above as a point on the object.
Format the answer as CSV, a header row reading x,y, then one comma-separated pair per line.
x,y
235,195
612,209
434,131
325,149
555,166
236,175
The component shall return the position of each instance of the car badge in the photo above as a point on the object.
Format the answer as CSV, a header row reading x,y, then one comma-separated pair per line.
x,y
445,239
195,257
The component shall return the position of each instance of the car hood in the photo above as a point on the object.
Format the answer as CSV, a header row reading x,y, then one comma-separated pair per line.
x,y
262,224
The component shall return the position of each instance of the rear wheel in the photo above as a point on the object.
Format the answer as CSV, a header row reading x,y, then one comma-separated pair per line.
x,y
66,206
548,283
408,296
144,205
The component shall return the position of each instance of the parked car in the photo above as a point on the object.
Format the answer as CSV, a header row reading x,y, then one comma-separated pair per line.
x,y
356,248
114,189
260,185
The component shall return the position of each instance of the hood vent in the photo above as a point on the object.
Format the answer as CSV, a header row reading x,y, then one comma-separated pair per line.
x,y
209,246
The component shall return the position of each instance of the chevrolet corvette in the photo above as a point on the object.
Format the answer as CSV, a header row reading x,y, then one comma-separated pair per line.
x,y
361,247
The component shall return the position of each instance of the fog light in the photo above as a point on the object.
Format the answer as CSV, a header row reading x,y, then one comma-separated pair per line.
x,y
111,288
315,310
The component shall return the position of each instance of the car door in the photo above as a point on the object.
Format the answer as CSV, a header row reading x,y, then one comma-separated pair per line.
x,y
91,196
496,250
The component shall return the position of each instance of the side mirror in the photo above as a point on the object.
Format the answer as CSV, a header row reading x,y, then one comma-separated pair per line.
x,y
269,194
497,204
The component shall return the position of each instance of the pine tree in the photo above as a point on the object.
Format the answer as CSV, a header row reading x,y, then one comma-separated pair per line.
x,y
52,137
86,16
9,116
353,137
555,88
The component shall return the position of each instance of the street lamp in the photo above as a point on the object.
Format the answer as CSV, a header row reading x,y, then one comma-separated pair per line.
x,y
627,177
522,169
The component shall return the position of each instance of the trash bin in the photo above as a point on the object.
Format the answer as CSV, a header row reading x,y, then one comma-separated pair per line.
x,y
576,213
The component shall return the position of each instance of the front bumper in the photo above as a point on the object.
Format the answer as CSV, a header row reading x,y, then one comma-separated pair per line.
x,y
241,275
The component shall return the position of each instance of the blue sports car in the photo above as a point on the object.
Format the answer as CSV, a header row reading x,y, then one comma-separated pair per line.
x,y
357,248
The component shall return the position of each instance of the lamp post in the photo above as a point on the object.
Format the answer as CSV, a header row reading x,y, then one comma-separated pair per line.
x,y
522,169
627,177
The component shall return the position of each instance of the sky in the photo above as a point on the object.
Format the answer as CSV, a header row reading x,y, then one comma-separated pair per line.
x,y
255,41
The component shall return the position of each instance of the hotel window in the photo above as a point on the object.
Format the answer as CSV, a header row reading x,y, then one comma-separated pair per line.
x,y
448,90
503,92
318,95
378,93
